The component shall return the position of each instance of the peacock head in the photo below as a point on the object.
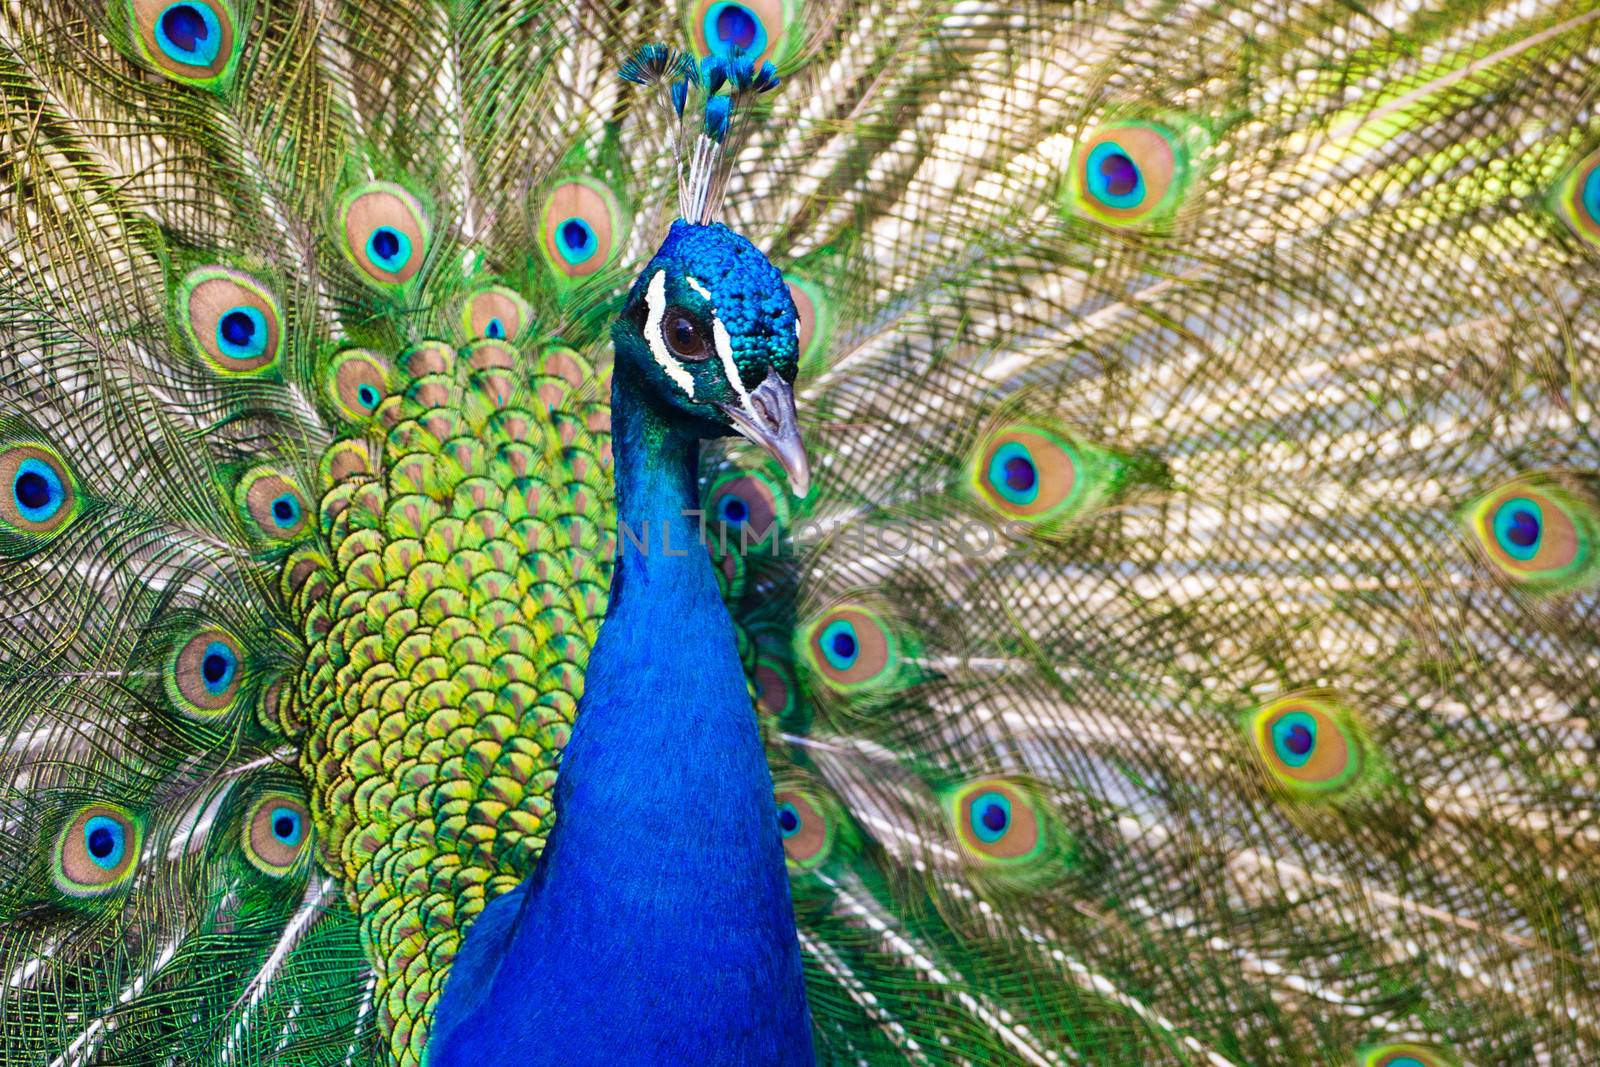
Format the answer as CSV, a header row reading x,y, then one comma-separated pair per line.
x,y
712,334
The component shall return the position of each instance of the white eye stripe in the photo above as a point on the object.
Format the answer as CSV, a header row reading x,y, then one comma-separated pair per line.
x,y
705,294
655,299
730,369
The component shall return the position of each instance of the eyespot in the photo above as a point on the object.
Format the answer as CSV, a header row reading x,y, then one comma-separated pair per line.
x,y
1577,198
814,323
230,319
358,381
1310,745
385,232
753,28
1405,1054
807,833
996,821
496,313
97,851
1128,173
686,337
1538,534
1038,475
37,494
203,675
745,502
275,833
851,648
192,41
774,687
273,504
580,228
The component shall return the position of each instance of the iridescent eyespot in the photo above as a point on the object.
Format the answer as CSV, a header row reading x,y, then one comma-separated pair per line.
x,y
385,232
1577,198
1538,533
97,851
273,504
192,41
1128,174
1311,745
580,227
37,494
754,28
852,650
497,313
813,323
749,506
204,673
276,830
995,820
231,319
358,381
1039,475
774,686
806,830
1405,1054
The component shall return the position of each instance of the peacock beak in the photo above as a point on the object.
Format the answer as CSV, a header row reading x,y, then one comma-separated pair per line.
x,y
768,419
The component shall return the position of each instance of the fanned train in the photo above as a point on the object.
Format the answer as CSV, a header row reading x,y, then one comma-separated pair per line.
x,y
1187,650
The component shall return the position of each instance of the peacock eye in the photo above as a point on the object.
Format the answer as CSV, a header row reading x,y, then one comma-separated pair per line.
x,y
684,336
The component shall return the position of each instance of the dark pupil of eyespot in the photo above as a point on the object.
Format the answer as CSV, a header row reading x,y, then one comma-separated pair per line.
x,y
1298,739
684,334
1119,172
735,510
844,645
368,397
214,667
101,842
237,328
1524,528
788,820
736,26
32,490
994,817
386,244
495,330
1019,474
184,26
282,510
575,234
283,826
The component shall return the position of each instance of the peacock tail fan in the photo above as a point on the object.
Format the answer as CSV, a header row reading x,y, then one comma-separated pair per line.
x,y
1185,652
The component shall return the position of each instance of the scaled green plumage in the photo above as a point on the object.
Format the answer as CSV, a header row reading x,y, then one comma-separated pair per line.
x,y
1200,402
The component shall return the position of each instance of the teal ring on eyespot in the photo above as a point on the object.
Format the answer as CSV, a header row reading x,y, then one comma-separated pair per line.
x,y
980,818
1591,195
287,826
105,841
286,510
731,28
389,248
1000,474
1511,521
37,490
840,645
1294,738
218,665
189,33
495,330
732,510
242,332
367,397
575,240
789,820
1097,179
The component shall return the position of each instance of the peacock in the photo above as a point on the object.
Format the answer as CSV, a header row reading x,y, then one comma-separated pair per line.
x,y
799,531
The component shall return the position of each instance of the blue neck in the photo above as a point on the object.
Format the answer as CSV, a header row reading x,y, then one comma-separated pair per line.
x,y
658,926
